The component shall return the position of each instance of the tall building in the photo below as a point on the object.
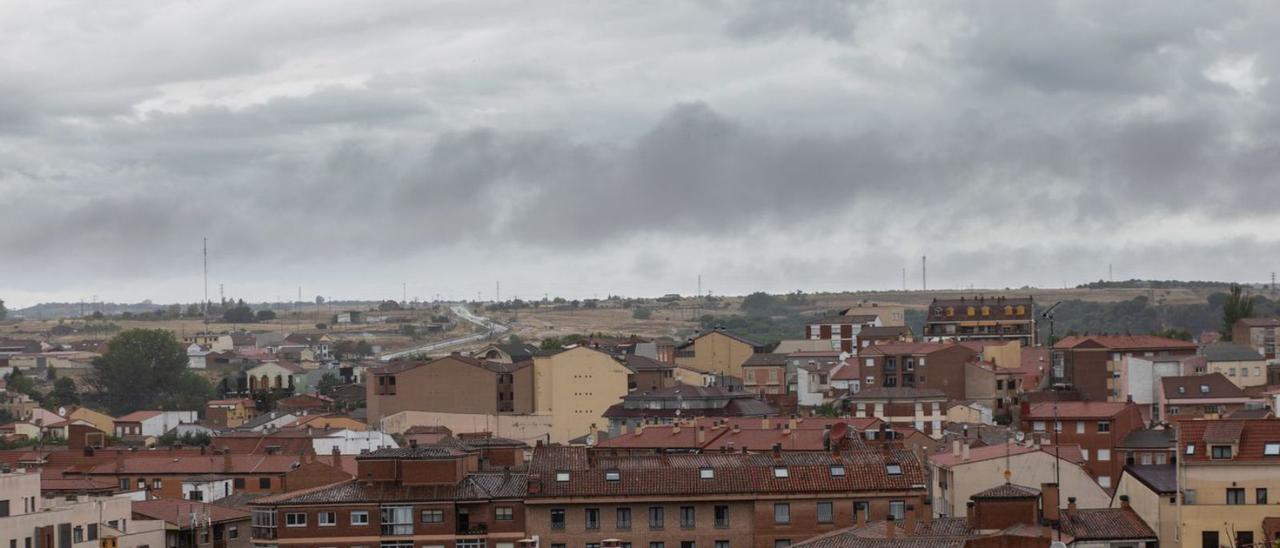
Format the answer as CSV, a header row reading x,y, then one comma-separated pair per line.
x,y
1092,364
982,318
30,520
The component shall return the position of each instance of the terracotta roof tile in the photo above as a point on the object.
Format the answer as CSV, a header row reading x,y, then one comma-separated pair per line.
x,y
1126,342
1105,524
177,512
1076,409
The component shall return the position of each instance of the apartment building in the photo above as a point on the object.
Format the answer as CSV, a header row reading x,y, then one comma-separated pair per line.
x,y
883,334
841,331
162,473
1210,396
965,470
938,366
581,497
31,521
190,524
1099,428
1090,364
450,384
756,435
650,374
416,496
1149,446
229,413
682,402
919,408
1242,365
765,373
1153,493
891,315
1258,334
1229,482
982,318
717,351
575,387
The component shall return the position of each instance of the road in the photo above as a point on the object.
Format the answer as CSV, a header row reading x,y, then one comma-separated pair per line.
x,y
490,328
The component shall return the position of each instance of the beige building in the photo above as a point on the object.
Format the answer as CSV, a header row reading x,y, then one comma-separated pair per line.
x,y
83,522
521,427
450,384
1152,490
575,387
1241,365
717,351
890,314
964,471
1229,481
101,421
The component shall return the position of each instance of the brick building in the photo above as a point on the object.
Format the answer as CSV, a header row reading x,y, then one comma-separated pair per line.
x,y
940,366
451,384
842,331
1091,364
921,409
1257,333
1099,428
982,318
162,474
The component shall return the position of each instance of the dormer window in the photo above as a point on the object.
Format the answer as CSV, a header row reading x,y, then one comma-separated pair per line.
x,y
706,473
1191,448
893,469
562,476
837,470
1271,449
781,472
612,475
1204,389
1220,452
1182,390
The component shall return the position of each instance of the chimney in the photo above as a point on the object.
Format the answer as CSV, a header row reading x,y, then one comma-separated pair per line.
x,y
337,456
1071,504
203,450
964,452
955,448
1124,501
786,427
737,428
1050,499
926,513
675,428
595,435
702,435
777,451
764,423
890,528
910,527
971,514
119,461
413,443
793,423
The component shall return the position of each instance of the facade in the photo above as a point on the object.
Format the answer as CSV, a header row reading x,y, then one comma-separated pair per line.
x,y
575,387
1228,481
580,496
717,351
841,331
982,318
938,366
890,314
681,402
964,471
1150,446
1099,428
152,423
195,524
1140,379
229,413
765,373
273,376
651,374
1090,364
163,476
813,384
1241,364
82,522
1209,396
755,435
450,384
921,409
883,334
1153,494
1258,334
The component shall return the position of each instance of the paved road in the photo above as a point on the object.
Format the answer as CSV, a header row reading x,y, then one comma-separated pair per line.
x,y
490,328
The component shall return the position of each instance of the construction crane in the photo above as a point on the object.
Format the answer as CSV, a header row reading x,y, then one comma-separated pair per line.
x,y
1048,315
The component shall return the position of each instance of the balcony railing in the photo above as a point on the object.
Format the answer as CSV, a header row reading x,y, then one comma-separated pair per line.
x,y
473,529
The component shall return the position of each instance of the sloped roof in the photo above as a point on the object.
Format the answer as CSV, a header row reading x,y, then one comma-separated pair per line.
x,y
1069,453
1194,387
1260,322
475,486
842,320
1252,435
1007,491
721,331
1105,524
1150,438
896,393
765,359
1160,478
177,512
1076,409
1230,352
1126,342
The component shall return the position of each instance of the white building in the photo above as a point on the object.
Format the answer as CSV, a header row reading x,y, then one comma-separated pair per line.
x,y
1139,376
83,522
197,356
207,488
350,442
152,423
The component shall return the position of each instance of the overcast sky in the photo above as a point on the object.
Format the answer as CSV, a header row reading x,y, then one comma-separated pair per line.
x,y
588,148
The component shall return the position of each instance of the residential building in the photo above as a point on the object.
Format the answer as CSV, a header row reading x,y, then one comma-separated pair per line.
x,y
1241,364
965,470
305,403
847,376
682,401
1152,490
717,351
98,420
979,318
1229,482
318,344
30,520
765,373
273,376
1139,379
506,352
579,496
813,384
891,315
191,524
883,334
1209,396
651,374
1148,446
939,366
229,413
208,487
1090,364
840,331
1099,428
969,412
417,496
1258,334
918,408
575,387
152,423
197,356
738,434
162,475
451,384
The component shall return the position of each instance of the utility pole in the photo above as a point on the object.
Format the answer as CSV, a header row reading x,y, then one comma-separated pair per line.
x,y
904,278
1110,277
296,312
924,273
497,292
404,293
206,281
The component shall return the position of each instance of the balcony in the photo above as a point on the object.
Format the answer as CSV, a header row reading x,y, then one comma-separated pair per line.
x,y
263,533
473,529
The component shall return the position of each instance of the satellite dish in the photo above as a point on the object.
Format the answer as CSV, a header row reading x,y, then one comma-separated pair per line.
x,y
62,411
1019,436
839,431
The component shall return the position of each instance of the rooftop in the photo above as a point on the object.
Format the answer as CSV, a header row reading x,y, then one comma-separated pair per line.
x,y
1230,352
178,512
1125,342
897,393
1105,524
765,359
475,486
1160,478
1256,440
1076,409
1212,386
1007,491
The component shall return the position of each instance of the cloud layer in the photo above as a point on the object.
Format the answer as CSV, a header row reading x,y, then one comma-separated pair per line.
x,y
611,148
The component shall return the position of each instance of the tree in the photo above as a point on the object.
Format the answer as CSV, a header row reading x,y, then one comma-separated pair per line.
x,y
265,315
761,304
240,313
641,313
327,383
1173,333
140,367
551,343
17,382
4,312
1237,307
190,391
63,393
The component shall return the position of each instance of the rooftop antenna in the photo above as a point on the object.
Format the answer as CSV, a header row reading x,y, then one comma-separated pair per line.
x,y
924,273
297,313
206,280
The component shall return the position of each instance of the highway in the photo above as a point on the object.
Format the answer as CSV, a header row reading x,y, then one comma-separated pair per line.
x,y
490,328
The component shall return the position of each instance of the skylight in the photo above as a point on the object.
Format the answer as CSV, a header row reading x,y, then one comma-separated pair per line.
x,y
1191,448
612,475
893,469
1204,389
706,473
1271,449
781,472
562,476
837,470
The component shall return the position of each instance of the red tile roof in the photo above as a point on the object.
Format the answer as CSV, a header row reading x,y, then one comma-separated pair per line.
x,y
897,348
1252,436
177,512
1069,453
242,464
1105,524
1126,342
1076,409
138,416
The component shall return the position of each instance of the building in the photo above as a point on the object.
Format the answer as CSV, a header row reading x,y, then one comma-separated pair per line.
x,y
152,423
1153,493
273,376
938,366
650,374
717,351
579,496
1258,334
30,520
893,315
982,318
190,524
1209,396
162,475
840,331
756,435
883,334
1139,378
1241,364
1089,364
813,384
965,470
1228,479
418,496
918,408
574,387
765,373
1099,428
507,352
451,384
229,413
1149,446
682,401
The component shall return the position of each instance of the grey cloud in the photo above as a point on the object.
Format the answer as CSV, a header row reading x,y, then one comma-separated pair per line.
x,y
773,18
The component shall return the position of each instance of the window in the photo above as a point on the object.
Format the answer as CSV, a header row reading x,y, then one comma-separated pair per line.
x,y
502,513
782,513
77,534
893,469
1209,539
1057,426
360,517
624,518
1079,427
1271,449
264,483
706,473
1260,495
1191,447
1188,496
824,512
780,472
837,470
295,519
326,519
156,483
1104,427
656,545
898,509
142,483
722,516
1235,495
396,520
1037,426
1173,410
722,544
562,476
687,517
124,484
432,516
1104,482
688,544
781,543
656,517
1221,451
1085,454
557,519
591,516
233,532
1104,455
238,483
93,531
612,475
